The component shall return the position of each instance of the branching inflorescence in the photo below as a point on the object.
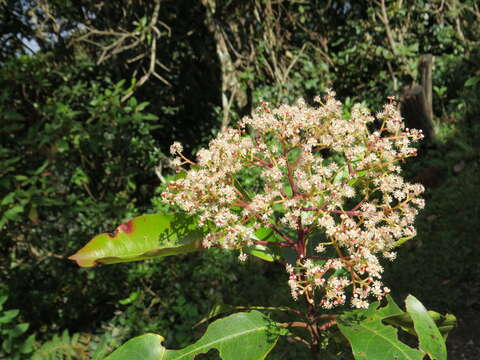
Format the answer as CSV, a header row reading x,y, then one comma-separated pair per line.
x,y
331,191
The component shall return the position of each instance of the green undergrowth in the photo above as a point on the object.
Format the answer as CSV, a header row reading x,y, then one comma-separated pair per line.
x,y
441,265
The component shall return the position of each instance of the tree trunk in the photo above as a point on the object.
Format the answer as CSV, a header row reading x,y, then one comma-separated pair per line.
x,y
416,101
231,88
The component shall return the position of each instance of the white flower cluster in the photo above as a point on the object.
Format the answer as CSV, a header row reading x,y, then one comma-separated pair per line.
x,y
320,172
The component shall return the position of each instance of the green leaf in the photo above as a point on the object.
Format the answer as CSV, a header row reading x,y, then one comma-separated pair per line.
x,y
28,345
133,296
221,309
19,329
241,336
146,347
9,316
262,251
144,237
217,310
3,299
61,346
402,240
341,175
265,234
371,339
8,199
431,341
359,175
472,81
149,117
388,311
12,213
242,190
445,323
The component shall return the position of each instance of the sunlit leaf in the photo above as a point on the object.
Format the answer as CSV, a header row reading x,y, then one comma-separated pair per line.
x,y
264,252
472,81
241,336
144,237
371,339
430,338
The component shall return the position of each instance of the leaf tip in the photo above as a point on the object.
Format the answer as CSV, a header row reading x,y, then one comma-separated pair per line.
x,y
81,261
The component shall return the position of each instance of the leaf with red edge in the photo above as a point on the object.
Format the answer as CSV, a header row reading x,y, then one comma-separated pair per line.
x,y
144,237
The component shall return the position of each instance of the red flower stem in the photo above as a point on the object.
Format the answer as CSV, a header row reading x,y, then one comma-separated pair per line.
x,y
301,238
359,204
346,212
285,237
318,257
263,242
327,325
294,324
263,162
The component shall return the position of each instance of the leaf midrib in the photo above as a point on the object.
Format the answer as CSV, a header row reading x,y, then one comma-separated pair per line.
x,y
389,341
226,338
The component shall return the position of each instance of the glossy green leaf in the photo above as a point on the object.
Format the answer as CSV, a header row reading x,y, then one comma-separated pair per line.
x,y
144,237
371,339
145,347
130,299
217,310
402,240
431,341
385,312
264,252
221,308
445,323
241,336
472,81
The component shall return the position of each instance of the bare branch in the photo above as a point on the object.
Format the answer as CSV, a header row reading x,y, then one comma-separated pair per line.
x,y
383,16
124,40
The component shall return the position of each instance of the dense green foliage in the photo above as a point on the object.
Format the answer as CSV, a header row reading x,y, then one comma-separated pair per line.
x,y
73,159
82,148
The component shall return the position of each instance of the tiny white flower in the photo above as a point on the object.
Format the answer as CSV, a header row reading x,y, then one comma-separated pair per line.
x,y
175,148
